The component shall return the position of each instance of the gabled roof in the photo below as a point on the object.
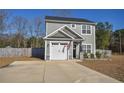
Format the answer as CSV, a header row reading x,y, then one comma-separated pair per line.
x,y
68,19
60,34
64,33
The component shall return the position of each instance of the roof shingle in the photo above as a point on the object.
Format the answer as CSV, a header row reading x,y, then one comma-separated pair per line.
x,y
68,19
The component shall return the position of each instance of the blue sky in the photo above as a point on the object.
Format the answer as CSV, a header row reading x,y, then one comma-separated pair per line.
x,y
114,16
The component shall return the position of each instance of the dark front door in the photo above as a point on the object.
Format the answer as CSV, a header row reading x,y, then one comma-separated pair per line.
x,y
74,51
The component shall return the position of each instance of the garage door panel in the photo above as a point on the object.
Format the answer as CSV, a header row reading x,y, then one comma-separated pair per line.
x,y
58,51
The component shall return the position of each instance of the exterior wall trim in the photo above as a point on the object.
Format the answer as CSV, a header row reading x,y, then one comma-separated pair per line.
x,y
63,39
94,39
45,49
50,51
72,49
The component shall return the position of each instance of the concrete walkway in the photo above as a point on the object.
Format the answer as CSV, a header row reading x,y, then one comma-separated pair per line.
x,y
51,72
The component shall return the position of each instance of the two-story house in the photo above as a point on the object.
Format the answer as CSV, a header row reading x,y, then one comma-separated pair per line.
x,y
66,38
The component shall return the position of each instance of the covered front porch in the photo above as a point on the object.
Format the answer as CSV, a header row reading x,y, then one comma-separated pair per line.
x,y
63,44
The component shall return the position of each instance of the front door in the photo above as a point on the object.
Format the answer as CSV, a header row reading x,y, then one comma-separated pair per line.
x,y
76,50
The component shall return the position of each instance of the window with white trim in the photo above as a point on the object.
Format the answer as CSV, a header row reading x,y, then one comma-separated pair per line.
x,y
86,48
86,29
73,26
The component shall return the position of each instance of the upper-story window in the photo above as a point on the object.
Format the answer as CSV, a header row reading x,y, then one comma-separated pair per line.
x,y
86,29
73,26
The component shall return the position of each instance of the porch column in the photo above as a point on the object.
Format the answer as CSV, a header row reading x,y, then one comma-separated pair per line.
x,y
45,50
78,50
70,50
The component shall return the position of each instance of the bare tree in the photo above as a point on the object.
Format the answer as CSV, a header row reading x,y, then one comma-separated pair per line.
x,y
20,26
120,42
3,26
38,30
3,20
31,33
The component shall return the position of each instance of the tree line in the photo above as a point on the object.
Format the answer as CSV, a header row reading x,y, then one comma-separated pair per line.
x,y
106,38
20,32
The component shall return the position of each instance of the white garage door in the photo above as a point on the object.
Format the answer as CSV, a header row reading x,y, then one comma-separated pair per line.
x,y
58,50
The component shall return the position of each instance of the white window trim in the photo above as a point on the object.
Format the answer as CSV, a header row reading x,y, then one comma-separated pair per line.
x,y
86,30
86,46
74,26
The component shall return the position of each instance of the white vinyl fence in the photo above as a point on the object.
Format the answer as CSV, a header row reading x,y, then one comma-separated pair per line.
x,y
105,53
21,52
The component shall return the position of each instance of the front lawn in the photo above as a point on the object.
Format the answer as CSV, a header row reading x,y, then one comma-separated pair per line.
x,y
113,68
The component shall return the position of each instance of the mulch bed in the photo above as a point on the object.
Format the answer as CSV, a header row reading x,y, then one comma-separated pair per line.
x,y
113,68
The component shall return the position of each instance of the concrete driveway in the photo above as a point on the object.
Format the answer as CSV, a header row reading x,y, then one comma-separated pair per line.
x,y
51,72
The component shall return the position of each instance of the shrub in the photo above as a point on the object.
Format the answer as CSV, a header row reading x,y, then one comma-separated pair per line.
x,y
91,55
85,55
105,54
98,54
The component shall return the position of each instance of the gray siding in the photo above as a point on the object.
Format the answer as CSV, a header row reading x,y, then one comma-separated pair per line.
x,y
89,39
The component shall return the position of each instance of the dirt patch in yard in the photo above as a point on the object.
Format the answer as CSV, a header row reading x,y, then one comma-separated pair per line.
x,y
113,68
4,61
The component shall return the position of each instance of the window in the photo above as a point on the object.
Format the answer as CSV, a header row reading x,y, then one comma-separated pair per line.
x,y
63,44
73,26
86,48
55,43
86,29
